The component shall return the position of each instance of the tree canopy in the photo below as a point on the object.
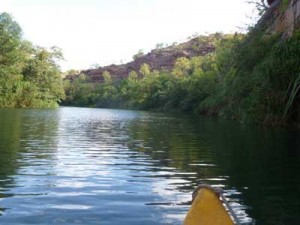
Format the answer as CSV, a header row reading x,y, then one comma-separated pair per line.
x,y
29,75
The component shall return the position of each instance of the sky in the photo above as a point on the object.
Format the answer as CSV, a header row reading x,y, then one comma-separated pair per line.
x,y
103,32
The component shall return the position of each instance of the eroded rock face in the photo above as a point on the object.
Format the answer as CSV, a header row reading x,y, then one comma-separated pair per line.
x,y
281,17
158,59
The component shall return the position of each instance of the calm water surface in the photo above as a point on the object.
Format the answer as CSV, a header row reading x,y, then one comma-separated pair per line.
x,y
96,166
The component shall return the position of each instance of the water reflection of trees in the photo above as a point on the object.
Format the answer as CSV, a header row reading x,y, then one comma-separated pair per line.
x,y
176,143
261,163
264,164
26,136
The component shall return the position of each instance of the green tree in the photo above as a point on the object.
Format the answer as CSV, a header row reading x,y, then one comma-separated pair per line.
x,y
182,67
11,61
132,76
43,71
145,70
139,54
159,46
29,76
261,5
107,77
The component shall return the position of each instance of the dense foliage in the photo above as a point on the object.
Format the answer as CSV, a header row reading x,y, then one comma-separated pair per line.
x,y
253,78
29,75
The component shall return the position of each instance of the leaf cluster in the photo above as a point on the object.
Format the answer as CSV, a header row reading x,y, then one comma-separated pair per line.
x,y
29,75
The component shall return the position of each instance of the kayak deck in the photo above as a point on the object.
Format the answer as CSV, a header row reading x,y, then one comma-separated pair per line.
x,y
207,209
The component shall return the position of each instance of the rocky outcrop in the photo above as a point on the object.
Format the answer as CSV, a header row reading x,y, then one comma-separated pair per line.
x,y
158,59
282,17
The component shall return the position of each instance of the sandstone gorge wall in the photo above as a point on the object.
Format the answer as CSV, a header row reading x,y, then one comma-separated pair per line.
x,y
282,17
158,59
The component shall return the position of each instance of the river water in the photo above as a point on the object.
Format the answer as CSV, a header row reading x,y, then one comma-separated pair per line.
x,y
100,166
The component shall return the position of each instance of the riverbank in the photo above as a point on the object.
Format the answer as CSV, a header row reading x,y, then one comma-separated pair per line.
x,y
252,78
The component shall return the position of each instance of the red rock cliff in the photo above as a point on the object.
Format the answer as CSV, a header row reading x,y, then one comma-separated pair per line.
x,y
158,59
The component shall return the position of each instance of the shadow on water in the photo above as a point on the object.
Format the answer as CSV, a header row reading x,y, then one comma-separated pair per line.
x,y
27,138
258,167
264,163
10,133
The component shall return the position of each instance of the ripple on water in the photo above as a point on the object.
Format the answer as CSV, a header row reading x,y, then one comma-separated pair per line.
x,y
95,166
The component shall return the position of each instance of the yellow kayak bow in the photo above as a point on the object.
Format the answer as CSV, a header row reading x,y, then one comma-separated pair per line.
x,y
208,209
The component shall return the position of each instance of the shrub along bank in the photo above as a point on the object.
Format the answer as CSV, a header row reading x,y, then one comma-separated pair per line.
x,y
252,78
